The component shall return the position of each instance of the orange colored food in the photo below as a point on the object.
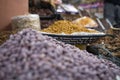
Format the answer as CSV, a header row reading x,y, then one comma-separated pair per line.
x,y
86,22
64,26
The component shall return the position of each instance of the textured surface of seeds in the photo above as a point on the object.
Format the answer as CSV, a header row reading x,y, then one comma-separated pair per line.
x,y
28,55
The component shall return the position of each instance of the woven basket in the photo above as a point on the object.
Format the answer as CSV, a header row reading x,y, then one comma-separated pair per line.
x,y
75,39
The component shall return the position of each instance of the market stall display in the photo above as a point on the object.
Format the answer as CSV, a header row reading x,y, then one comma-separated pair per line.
x,y
51,45
28,55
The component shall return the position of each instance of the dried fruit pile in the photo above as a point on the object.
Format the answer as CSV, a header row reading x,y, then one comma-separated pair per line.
x,y
112,43
28,55
41,12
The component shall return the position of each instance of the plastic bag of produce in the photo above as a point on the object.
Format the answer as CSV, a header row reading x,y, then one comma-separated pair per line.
x,y
86,22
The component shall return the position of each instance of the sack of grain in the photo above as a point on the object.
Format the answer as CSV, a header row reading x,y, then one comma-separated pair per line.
x,y
26,21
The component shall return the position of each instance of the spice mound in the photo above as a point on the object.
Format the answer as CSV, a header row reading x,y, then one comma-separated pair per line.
x,y
67,27
28,55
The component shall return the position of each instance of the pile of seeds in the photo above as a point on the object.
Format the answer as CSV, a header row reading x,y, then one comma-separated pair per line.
x,y
67,27
28,55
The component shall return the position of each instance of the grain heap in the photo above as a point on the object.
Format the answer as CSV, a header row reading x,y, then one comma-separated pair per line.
x,y
64,26
28,55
